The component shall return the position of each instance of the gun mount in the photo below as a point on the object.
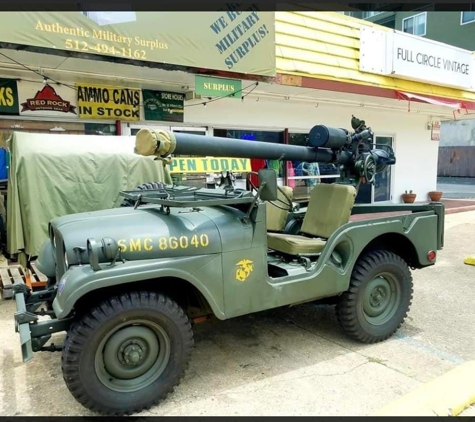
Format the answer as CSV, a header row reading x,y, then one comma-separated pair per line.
x,y
357,160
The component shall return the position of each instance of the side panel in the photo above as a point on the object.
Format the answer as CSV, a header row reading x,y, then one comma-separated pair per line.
x,y
259,292
204,272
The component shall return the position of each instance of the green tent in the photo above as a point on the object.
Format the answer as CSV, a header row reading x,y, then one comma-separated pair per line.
x,y
55,175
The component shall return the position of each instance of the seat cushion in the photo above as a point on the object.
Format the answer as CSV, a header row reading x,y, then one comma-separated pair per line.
x,y
328,209
275,217
294,244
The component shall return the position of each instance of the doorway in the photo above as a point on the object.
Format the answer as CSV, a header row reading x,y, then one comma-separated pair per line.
x,y
382,184
381,191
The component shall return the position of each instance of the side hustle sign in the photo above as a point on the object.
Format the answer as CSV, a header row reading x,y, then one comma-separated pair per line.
x,y
415,58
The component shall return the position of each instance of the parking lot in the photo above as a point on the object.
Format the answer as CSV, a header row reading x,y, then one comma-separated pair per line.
x,y
288,361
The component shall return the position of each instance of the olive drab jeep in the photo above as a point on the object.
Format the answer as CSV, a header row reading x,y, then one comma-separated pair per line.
x,y
128,284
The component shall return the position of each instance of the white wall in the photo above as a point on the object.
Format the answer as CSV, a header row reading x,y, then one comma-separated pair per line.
x,y
416,154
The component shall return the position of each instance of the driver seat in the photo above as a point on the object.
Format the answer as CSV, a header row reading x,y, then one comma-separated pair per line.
x,y
276,218
328,209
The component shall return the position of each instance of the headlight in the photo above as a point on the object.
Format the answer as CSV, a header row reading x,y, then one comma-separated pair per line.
x,y
66,260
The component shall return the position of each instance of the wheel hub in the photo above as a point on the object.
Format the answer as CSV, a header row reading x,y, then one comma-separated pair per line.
x,y
132,352
380,299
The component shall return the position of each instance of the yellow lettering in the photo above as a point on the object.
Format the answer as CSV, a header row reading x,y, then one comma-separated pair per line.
x,y
194,241
135,245
39,26
204,240
183,242
123,246
145,244
173,242
162,243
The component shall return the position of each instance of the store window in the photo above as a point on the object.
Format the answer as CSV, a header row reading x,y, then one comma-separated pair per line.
x,y
100,129
416,25
467,17
239,179
302,176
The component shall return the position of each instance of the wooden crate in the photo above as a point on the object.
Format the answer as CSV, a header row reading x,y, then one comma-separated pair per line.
x,y
16,274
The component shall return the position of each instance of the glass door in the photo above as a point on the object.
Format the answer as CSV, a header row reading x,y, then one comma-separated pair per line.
x,y
380,191
382,183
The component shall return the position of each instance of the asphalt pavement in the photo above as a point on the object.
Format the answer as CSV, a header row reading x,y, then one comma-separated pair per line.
x,y
293,361
456,187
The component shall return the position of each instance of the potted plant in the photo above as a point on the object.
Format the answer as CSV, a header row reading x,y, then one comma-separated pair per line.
x,y
408,197
435,195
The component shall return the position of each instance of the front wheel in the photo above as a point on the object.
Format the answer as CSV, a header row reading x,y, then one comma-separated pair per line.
x,y
127,353
379,297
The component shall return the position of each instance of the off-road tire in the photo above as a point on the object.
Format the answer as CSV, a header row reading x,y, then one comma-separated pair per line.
x,y
350,307
88,331
144,186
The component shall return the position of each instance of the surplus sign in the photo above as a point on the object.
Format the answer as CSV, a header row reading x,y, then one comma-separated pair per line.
x,y
106,102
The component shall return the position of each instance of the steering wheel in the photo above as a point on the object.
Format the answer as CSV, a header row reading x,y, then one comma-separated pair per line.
x,y
288,202
369,168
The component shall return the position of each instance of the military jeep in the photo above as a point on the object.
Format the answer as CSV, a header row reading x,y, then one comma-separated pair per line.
x,y
127,284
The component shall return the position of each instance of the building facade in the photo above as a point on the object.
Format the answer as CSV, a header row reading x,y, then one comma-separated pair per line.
x,y
311,70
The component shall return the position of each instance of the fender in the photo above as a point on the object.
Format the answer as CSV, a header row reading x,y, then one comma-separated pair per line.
x,y
204,272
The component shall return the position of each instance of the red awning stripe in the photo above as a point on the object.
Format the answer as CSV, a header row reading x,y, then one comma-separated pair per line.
x,y
455,104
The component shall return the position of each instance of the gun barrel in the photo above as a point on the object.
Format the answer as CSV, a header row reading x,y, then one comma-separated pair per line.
x,y
189,144
160,142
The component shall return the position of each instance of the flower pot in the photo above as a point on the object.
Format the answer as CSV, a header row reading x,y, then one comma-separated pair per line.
x,y
435,196
408,198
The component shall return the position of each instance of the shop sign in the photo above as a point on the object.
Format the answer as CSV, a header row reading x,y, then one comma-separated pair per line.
x,y
163,106
228,40
435,132
218,87
108,102
8,96
209,165
39,99
406,56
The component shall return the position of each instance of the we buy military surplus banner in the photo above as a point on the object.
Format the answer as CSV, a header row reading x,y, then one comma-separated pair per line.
x,y
235,41
108,102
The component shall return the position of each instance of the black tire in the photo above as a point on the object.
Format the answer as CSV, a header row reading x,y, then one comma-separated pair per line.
x,y
394,277
87,342
144,186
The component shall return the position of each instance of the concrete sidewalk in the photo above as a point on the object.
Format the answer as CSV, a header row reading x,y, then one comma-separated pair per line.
x,y
288,361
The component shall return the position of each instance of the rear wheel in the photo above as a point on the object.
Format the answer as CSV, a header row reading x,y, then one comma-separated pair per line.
x,y
127,353
379,297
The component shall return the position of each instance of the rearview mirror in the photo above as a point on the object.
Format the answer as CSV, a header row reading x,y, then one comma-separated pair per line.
x,y
268,177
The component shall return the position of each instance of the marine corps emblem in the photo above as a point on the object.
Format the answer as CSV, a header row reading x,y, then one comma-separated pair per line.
x,y
245,267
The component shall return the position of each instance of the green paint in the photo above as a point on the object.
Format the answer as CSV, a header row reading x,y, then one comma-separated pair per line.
x,y
8,96
218,87
163,106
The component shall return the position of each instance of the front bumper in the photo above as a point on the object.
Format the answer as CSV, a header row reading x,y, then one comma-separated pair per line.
x,y
22,324
35,334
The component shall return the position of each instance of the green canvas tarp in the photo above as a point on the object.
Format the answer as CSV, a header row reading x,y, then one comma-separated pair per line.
x,y
55,175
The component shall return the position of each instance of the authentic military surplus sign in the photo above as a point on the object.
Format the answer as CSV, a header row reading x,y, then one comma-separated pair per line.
x,y
8,96
163,106
108,102
227,40
218,87
209,165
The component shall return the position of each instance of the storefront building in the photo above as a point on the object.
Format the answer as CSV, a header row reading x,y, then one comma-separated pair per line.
x,y
311,68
